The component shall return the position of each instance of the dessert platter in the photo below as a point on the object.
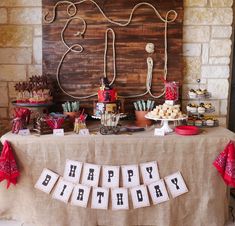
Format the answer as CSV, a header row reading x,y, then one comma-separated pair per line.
x,y
166,113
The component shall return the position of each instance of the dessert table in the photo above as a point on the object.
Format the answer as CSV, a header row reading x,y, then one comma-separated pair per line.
x,y
206,203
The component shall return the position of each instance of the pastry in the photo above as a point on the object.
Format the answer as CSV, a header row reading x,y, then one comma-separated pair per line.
x,y
192,94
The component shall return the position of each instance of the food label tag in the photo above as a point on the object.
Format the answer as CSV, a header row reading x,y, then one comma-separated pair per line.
x,y
58,132
84,132
159,132
24,132
170,102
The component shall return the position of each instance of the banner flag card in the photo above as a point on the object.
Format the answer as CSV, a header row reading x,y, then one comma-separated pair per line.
x,y
46,181
120,199
130,176
176,184
149,172
110,176
91,174
80,195
100,198
63,190
158,192
139,196
72,171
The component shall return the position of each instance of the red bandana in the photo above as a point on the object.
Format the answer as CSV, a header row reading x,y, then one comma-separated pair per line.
x,y
8,168
225,164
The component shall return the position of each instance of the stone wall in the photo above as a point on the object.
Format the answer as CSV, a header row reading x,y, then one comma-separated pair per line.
x,y
206,49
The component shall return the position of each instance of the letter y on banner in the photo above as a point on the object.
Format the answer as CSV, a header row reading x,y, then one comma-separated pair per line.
x,y
176,184
149,172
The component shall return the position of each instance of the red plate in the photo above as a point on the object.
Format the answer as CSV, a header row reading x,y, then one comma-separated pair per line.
x,y
187,130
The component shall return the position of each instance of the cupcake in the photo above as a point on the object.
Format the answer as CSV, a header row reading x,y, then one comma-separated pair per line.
x,y
201,109
198,122
192,94
200,93
210,122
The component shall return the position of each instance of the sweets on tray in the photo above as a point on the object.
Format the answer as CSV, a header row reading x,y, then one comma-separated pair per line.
x,y
36,90
198,93
200,108
166,111
208,121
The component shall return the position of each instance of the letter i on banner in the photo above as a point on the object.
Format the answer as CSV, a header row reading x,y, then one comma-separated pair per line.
x,y
63,190
80,195
120,199
149,172
176,184
130,176
72,171
100,198
139,196
158,192
91,174
46,181
110,176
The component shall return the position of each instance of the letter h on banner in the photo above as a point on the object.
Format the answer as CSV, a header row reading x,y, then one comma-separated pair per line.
x,y
72,171
120,199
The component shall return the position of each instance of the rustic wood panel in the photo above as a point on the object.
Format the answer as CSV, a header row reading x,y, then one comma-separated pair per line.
x,y
81,72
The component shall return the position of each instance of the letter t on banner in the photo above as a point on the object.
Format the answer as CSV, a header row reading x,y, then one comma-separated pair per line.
x,y
100,198
176,184
130,176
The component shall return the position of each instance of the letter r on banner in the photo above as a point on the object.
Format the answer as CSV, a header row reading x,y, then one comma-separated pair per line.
x,y
80,195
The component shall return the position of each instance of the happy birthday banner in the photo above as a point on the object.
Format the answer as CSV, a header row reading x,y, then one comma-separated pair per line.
x,y
69,185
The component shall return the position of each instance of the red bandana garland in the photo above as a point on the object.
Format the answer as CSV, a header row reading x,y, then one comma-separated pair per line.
x,y
225,164
8,167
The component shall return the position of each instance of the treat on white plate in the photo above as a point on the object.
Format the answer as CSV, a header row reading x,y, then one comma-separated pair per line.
x,y
192,94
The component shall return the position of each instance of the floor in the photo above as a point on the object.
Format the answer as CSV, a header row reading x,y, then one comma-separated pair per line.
x,y
15,223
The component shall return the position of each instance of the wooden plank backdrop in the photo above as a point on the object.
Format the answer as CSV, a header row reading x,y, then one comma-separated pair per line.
x,y
81,72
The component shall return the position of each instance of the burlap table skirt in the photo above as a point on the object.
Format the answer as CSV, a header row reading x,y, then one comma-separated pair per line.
x,y
206,203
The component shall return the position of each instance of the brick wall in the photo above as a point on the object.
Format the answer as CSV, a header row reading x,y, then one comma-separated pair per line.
x,y
207,48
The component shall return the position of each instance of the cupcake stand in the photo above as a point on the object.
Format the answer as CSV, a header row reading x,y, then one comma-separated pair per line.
x,y
165,123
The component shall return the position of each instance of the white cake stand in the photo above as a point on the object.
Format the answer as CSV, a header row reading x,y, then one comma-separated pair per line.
x,y
165,127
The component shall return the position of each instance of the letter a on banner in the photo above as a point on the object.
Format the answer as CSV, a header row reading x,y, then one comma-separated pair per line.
x,y
80,195
140,196
120,199
46,181
158,192
149,172
176,184
72,171
130,176
110,176
91,174
100,198
63,190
